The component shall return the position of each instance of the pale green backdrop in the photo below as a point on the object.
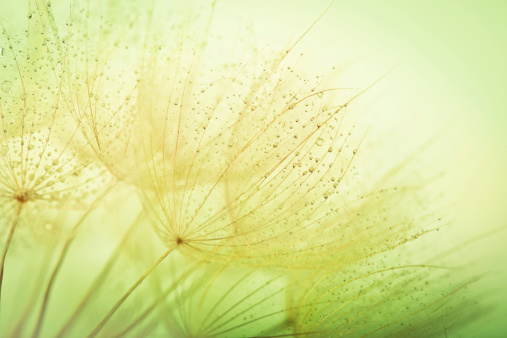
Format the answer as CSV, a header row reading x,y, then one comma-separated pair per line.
x,y
450,74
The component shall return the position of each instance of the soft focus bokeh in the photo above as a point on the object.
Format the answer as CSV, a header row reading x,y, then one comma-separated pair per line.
x,y
439,107
449,84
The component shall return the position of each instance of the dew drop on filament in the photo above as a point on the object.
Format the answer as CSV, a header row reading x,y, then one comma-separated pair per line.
x,y
6,86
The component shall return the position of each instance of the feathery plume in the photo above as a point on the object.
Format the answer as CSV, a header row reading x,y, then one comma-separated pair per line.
x,y
196,194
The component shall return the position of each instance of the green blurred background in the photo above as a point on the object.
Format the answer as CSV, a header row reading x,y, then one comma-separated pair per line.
x,y
449,82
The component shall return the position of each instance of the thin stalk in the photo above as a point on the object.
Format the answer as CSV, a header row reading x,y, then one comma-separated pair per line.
x,y
111,312
21,325
60,261
7,244
155,303
99,280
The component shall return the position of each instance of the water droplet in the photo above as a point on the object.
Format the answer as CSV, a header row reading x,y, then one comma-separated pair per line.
x,y
320,94
319,142
6,86
41,84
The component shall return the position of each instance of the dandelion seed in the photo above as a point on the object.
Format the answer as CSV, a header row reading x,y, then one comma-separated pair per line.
x,y
264,225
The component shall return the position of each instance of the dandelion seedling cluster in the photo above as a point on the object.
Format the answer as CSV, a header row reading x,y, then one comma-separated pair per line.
x,y
155,183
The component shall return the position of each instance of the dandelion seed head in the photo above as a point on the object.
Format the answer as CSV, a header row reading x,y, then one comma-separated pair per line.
x,y
274,213
241,162
23,196
43,161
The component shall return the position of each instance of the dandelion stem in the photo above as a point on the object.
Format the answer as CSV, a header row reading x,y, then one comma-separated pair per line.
x,y
99,279
7,244
162,296
21,324
111,312
60,261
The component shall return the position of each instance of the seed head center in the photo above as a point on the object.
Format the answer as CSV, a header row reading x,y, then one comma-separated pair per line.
x,y
23,196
